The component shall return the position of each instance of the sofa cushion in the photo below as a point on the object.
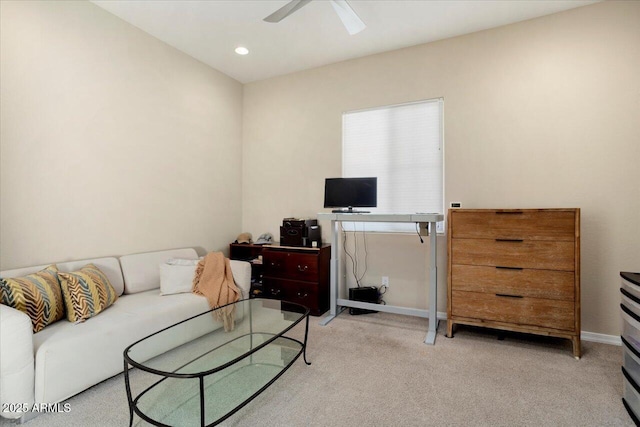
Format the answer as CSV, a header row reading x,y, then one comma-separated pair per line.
x,y
87,292
142,272
38,295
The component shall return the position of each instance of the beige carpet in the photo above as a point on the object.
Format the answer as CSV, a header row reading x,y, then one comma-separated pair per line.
x,y
375,370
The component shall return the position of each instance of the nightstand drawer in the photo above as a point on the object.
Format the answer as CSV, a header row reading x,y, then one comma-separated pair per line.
x,y
514,309
539,254
552,284
514,224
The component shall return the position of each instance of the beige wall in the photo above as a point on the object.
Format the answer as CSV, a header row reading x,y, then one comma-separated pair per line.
x,y
544,113
112,142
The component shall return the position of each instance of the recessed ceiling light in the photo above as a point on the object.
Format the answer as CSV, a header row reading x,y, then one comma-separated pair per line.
x,y
242,50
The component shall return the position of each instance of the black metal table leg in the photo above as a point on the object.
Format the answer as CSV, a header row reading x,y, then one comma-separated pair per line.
x,y
306,333
128,387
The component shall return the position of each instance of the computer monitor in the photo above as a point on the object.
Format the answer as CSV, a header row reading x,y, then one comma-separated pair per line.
x,y
349,193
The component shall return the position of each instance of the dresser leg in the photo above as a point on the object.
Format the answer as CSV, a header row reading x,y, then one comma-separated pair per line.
x,y
449,329
576,347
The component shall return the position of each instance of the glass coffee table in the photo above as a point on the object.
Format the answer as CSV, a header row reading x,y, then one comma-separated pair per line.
x,y
196,374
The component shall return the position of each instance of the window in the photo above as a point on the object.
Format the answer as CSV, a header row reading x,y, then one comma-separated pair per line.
x,y
402,145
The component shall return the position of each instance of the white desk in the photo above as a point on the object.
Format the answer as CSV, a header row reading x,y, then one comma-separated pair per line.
x,y
338,304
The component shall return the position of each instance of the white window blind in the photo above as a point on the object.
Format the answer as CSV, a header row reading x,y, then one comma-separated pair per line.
x,y
402,145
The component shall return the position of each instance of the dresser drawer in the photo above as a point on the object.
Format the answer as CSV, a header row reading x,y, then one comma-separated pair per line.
x,y
552,284
514,224
539,254
304,293
303,266
548,313
631,360
274,262
291,265
631,399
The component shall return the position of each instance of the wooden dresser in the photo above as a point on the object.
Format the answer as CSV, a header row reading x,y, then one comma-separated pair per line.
x,y
515,269
299,275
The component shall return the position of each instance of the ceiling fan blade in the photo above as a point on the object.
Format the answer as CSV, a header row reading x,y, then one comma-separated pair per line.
x,y
349,18
286,10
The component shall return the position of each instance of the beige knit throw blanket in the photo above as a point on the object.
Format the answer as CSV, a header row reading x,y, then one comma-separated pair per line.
x,y
214,280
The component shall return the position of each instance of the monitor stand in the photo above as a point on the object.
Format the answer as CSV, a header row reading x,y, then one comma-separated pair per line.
x,y
349,210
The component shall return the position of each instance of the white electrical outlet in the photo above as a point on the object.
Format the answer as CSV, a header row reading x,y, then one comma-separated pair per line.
x,y
385,281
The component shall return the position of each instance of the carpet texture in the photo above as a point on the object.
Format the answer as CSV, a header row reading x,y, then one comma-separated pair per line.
x,y
375,370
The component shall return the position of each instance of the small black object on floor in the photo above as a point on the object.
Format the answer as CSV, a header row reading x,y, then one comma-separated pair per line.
x,y
363,294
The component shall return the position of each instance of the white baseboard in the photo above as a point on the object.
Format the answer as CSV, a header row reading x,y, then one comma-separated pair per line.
x,y
601,338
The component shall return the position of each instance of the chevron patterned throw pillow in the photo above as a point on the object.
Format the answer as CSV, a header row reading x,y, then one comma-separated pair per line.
x,y
86,292
37,294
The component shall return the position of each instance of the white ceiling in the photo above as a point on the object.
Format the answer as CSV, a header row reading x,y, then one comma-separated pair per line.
x,y
313,36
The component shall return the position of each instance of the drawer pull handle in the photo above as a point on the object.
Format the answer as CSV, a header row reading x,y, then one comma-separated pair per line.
x,y
301,295
275,291
509,268
510,240
509,296
509,213
301,268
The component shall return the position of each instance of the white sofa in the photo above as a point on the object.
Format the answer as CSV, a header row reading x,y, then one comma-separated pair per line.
x,y
64,358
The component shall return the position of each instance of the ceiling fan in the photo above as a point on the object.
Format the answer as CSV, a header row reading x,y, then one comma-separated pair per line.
x,y
349,18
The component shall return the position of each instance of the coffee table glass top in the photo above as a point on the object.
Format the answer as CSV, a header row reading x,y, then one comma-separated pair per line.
x,y
202,374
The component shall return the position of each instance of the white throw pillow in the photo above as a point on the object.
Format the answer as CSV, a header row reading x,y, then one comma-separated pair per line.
x,y
176,275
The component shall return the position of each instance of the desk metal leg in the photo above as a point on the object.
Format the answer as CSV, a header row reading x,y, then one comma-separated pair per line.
x,y
334,275
433,281
433,286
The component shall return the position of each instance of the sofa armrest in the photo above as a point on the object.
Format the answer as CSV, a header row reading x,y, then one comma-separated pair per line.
x,y
242,276
16,362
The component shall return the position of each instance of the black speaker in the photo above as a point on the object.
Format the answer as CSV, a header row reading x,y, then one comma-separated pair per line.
x,y
363,294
